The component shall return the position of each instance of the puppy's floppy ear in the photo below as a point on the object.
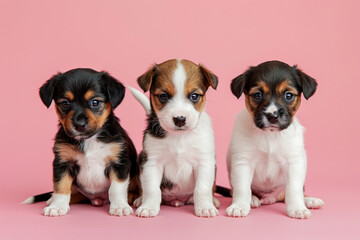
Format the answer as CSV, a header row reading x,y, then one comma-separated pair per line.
x,y
238,84
114,89
46,91
307,83
210,78
146,79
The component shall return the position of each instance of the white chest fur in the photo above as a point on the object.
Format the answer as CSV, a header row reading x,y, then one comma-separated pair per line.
x,y
91,177
180,154
268,153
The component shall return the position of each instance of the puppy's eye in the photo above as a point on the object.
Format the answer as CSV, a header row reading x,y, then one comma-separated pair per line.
x,y
65,105
94,103
163,97
257,96
289,97
194,97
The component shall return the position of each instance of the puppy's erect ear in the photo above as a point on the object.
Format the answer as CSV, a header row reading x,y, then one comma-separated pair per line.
x,y
146,79
307,83
46,91
238,84
114,89
210,78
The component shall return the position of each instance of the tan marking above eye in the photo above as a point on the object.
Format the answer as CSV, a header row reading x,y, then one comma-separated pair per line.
x,y
89,95
69,95
286,87
261,86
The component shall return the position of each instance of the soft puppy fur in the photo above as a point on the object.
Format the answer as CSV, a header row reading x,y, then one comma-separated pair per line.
x,y
94,157
266,157
177,164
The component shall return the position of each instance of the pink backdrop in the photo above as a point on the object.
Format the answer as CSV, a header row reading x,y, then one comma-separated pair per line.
x,y
40,38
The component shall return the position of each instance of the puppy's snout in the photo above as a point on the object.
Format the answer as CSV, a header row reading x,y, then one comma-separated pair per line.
x,y
272,117
179,121
79,122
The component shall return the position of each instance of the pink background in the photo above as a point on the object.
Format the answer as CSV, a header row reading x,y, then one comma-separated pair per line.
x,y
40,38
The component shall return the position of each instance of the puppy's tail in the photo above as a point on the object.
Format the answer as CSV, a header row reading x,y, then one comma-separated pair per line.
x,y
38,198
226,192
145,102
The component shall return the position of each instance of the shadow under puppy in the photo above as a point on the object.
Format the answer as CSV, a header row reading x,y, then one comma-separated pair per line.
x,y
266,156
94,156
177,164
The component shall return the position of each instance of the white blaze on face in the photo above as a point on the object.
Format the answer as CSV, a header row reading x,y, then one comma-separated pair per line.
x,y
179,104
271,108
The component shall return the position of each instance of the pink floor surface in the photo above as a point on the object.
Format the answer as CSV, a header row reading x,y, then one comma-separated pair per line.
x,y
338,219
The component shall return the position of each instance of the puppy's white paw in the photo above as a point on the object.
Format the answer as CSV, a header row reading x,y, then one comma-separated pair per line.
x,y
208,211
238,210
255,202
147,211
56,210
313,203
299,213
137,202
120,209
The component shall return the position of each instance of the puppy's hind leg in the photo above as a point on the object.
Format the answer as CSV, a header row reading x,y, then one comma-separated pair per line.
x,y
313,203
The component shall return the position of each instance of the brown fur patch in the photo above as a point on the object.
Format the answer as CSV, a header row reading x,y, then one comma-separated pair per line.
x,y
89,95
163,83
65,119
284,87
67,152
69,95
96,121
64,185
194,83
115,151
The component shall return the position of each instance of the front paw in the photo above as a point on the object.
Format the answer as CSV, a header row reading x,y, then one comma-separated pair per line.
x,y
120,210
206,211
299,213
238,210
146,212
54,211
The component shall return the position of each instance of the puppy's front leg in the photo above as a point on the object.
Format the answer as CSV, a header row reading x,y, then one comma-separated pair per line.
x,y
294,196
59,203
240,177
203,195
118,193
150,179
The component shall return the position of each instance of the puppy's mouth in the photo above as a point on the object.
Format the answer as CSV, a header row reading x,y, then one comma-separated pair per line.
x,y
274,128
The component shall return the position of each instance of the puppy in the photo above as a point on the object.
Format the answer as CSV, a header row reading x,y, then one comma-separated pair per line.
x,y
177,164
266,156
94,156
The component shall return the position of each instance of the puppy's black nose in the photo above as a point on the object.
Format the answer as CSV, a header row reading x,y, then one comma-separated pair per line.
x,y
79,127
272,117
79,123
179,121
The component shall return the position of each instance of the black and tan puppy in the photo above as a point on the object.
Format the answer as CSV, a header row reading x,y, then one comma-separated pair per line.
x,y
94,156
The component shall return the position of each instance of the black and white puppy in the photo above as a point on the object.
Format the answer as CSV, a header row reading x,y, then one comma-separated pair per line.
x,y
266,157
177,164
94,156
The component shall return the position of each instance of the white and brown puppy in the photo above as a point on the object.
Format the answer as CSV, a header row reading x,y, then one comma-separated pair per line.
x,y
177,164
266,157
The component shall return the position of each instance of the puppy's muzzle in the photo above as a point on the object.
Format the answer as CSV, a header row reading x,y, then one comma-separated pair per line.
x,y
79,122
179,121
272,117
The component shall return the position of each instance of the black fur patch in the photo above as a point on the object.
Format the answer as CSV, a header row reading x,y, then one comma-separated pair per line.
x,y
154,128
166,184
